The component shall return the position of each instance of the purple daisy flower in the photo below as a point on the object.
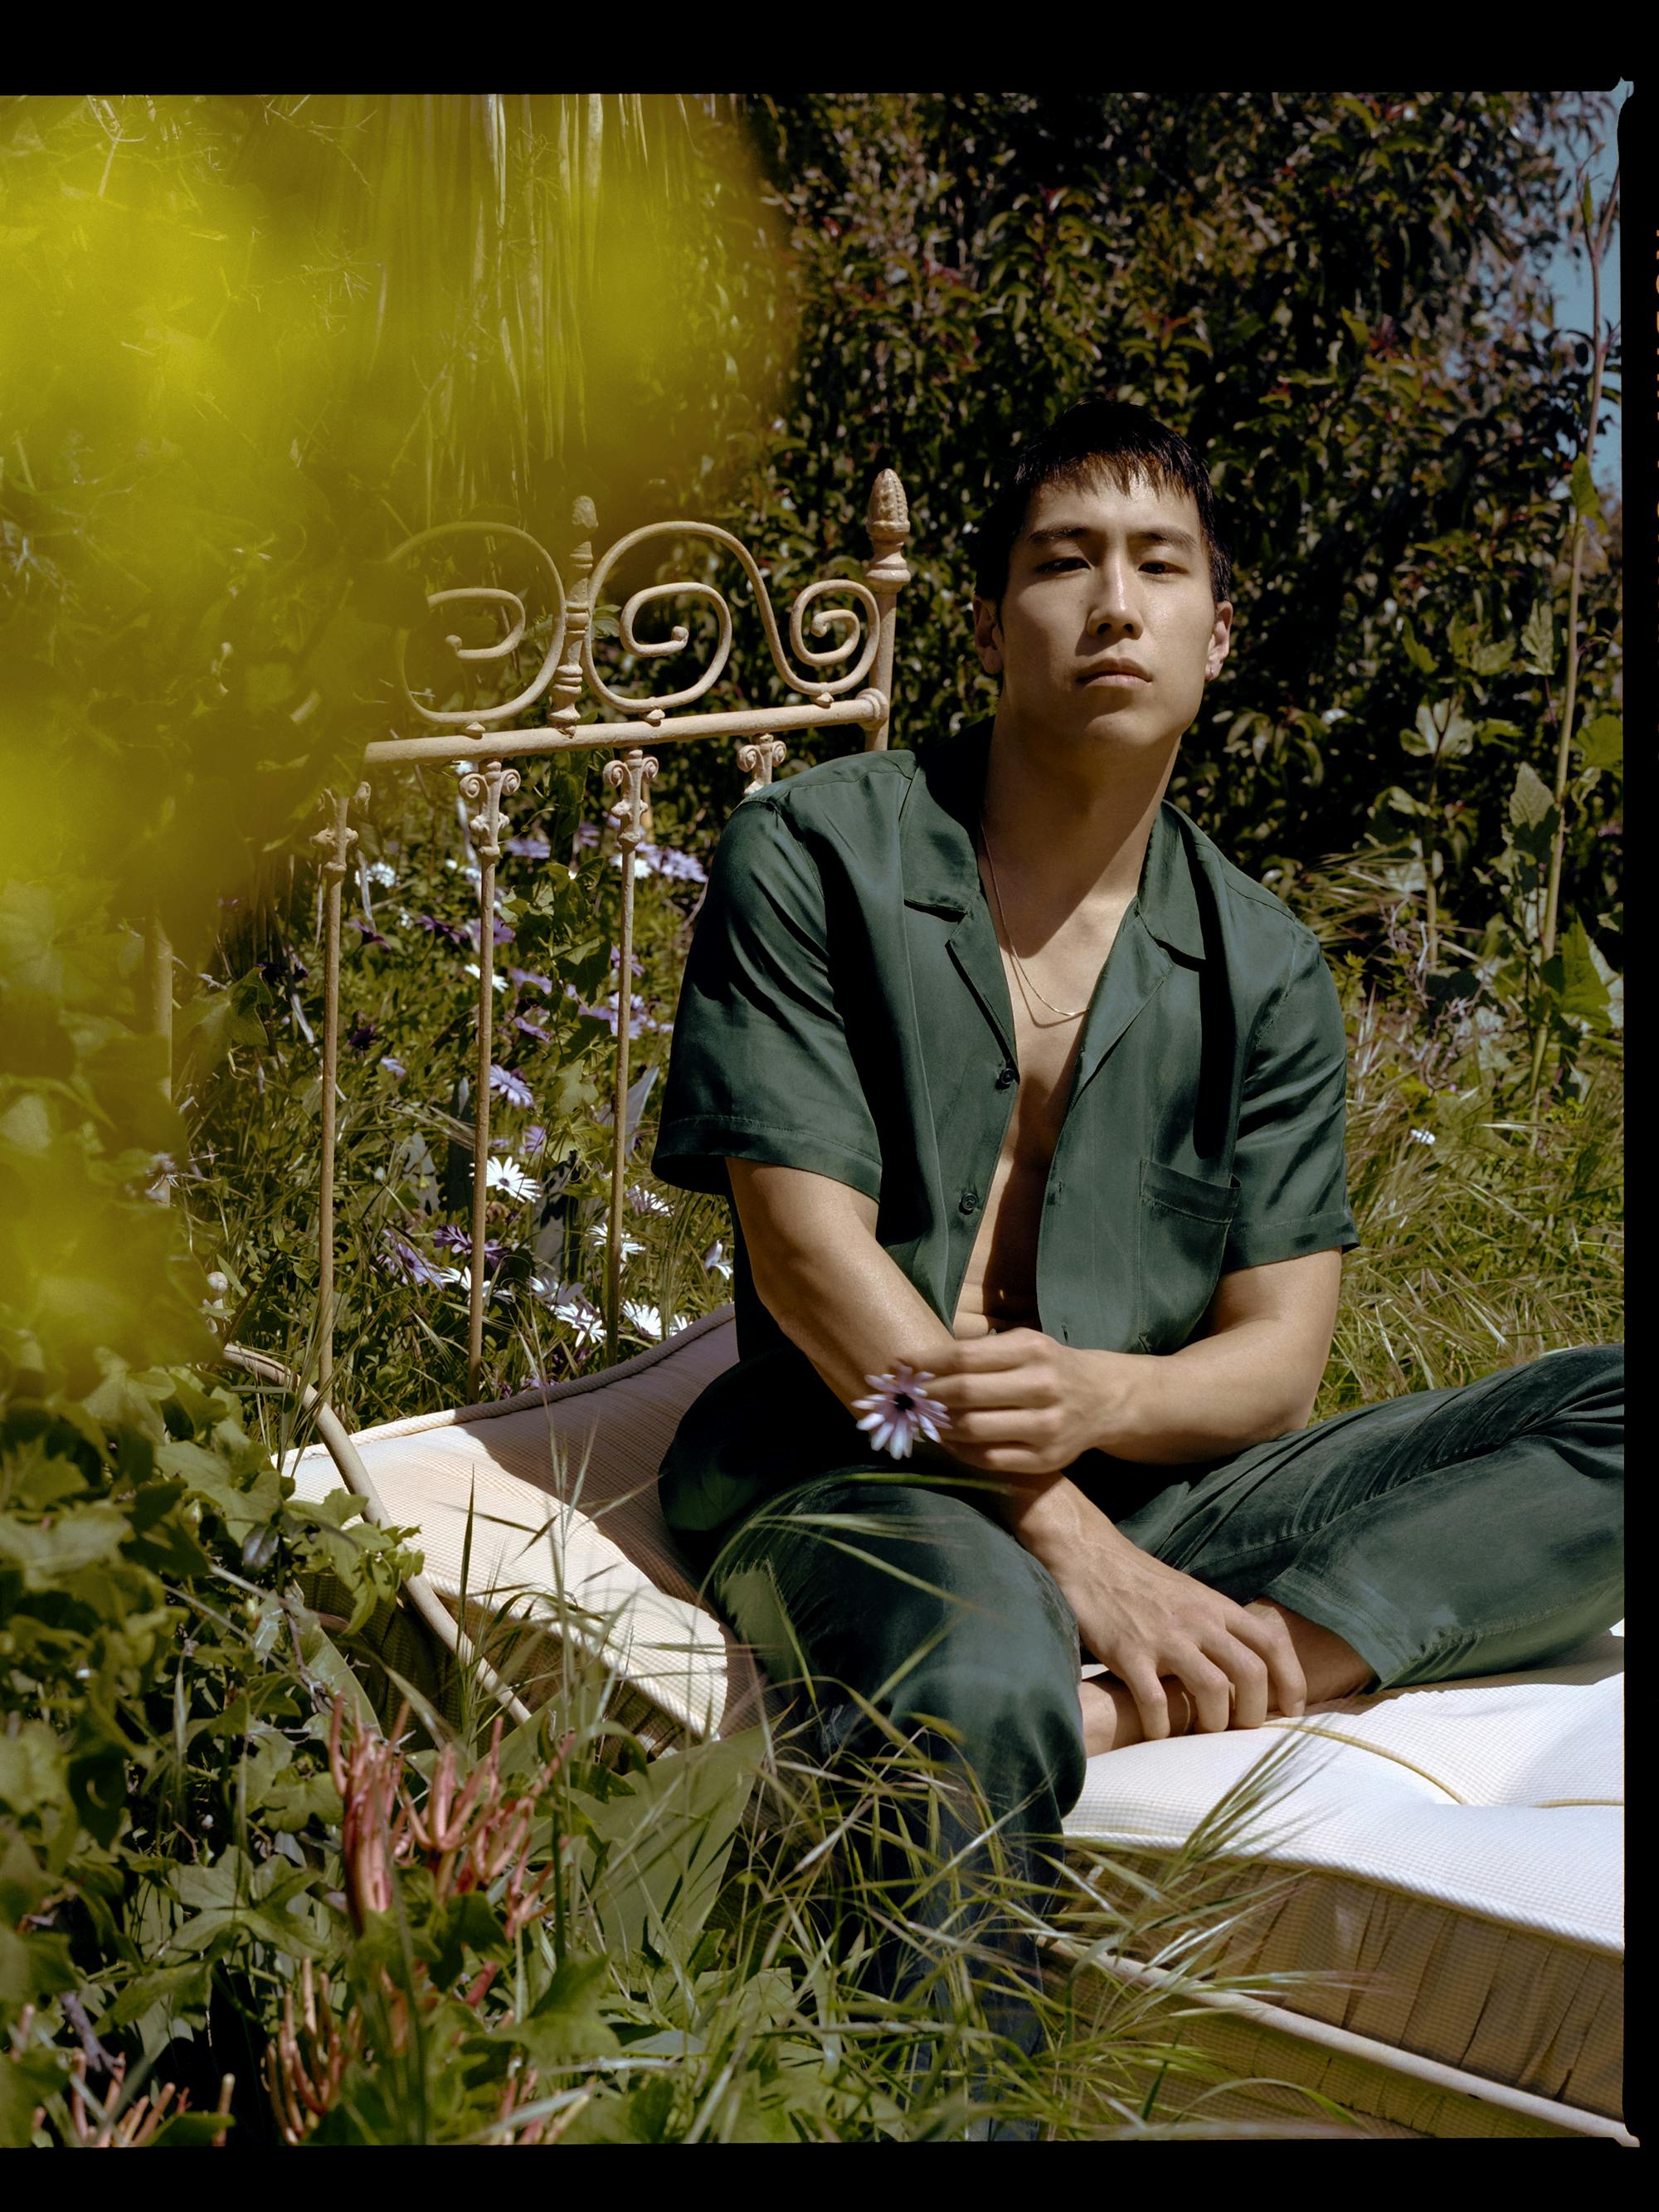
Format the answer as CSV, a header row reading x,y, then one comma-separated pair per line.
x,y
446,930
512,1087
527,849
901,1410
405,1258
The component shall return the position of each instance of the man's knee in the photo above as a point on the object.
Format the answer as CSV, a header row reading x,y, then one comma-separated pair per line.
x,y
1019,1727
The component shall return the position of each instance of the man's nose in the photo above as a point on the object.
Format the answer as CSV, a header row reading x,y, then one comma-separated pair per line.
x,y
1114,607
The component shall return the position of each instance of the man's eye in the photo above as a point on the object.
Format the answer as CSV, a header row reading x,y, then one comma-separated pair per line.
x,y
1064,561
1158,568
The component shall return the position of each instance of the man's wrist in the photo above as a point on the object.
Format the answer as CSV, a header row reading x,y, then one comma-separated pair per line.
x,y
1121,1390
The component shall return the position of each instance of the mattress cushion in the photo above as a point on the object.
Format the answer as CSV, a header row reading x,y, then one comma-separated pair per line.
x,y
561,1484
1451,1851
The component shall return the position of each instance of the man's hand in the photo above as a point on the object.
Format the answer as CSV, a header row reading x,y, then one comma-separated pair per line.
x,y
1020,1402
1151,1624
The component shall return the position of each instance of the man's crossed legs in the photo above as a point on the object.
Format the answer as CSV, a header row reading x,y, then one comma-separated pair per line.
x,y
1473,1530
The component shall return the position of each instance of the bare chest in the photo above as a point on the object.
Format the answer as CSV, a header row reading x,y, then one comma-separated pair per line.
x,y
998,1288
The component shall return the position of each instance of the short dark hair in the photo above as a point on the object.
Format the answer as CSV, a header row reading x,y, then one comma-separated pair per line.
x,y
1098,437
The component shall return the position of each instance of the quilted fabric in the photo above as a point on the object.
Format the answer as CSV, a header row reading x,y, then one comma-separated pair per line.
x,y
1458,1854
562,1484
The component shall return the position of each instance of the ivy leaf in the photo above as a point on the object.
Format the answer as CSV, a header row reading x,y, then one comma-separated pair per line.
x,y
31,1773
1530,803
567,2024
47,1555
1416,651
1574,979
1602,744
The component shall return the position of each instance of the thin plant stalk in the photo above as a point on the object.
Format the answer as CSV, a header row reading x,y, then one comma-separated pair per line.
x,y
1597,235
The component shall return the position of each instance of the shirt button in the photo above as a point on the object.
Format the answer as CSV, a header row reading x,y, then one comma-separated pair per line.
x,y
1004,1076
968,1201
1065,1332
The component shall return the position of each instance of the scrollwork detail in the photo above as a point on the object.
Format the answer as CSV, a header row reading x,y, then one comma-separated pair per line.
x,y
486,595
819,686
636,769
485,789
759,760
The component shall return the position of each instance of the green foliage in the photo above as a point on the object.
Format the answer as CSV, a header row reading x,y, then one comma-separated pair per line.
x,y
1339,298
254,344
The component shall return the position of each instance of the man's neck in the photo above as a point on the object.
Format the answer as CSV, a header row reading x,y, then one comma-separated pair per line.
x,y
1074,824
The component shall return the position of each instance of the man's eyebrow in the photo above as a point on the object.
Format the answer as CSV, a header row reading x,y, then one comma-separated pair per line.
x,y
1060,533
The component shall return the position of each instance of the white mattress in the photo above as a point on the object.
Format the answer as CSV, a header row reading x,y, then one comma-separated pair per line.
x,y
1455,1848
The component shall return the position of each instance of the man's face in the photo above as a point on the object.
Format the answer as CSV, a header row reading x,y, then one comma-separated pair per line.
x,y
1106,631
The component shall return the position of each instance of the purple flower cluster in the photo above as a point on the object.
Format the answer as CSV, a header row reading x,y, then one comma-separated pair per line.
x,y
401,1257
454,1238
511,1087
638,1019
527,849
446,930
668,861
501,933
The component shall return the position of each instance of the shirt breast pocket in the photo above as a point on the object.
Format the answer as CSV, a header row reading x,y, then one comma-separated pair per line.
x,y
1184,1220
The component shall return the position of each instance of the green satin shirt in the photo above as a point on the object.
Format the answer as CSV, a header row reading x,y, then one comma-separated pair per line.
x,y
845,1008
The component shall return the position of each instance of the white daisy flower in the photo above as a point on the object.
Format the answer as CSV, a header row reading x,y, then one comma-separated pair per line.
x,y
598,1235
646,1201
647,1321
715,1262
511,1180
1422,1136
572,1306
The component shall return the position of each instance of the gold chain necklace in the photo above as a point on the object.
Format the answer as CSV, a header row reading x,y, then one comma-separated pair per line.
x,y
1071,1014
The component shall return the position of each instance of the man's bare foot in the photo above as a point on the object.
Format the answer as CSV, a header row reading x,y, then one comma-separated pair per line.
x,y
1331,1666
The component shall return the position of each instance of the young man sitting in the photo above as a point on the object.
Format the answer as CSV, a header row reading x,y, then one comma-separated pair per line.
x,y
1012,1078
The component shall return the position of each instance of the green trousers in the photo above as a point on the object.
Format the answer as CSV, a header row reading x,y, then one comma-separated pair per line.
x,y
1473,1530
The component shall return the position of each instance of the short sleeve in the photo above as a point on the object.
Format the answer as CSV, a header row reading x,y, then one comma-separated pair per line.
x,y
1289,1158
759,1068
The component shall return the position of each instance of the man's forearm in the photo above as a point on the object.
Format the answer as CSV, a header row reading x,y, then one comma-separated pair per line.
x,y
1211,1398
850,1307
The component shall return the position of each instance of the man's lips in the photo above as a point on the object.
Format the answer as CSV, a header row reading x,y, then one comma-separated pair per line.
x,y
1115,675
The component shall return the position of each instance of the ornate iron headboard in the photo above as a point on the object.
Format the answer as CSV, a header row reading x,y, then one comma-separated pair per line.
x,y
847,682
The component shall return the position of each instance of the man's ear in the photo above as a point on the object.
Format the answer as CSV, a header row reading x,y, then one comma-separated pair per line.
x,y
1220,640
987,634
